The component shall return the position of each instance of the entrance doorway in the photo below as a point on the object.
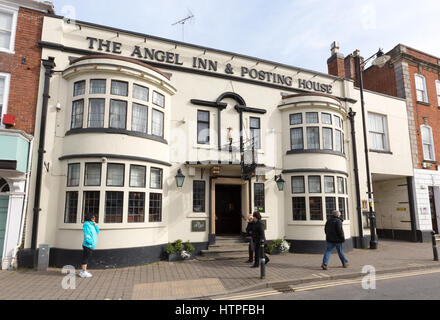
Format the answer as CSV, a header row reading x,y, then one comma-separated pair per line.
x,y
228,208
433,210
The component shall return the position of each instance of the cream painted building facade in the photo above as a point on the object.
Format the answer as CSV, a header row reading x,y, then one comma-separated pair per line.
x,y
127,111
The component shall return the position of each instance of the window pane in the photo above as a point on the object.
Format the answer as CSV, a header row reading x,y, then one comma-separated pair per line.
x,y
115,175
155,207
73,175
255,123
298,185
259,197
326,118
137,176
199,196
6,21
140,93
296,119
255,132
316,209
203,116
338,141
139,118
157,123
327,138
120,88
312,117
342,208
98,86
92,174
296,138
91,204
330,206
79,88
329,183
313,138
341,189
71,210
118,114
156,178
5,39
114,204
338,121
96,113
158,99
437,84
315,184
136,207
77,114
299,209
203,127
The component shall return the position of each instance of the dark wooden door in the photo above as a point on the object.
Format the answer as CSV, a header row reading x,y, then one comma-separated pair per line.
x,y
433,210
227,209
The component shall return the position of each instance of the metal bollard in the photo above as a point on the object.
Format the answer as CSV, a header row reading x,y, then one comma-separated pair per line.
x,y
434,246
262,261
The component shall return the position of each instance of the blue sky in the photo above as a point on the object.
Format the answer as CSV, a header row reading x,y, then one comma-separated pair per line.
x,y
293,32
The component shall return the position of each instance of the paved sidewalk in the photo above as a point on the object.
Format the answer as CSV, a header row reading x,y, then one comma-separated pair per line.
x,y
198,279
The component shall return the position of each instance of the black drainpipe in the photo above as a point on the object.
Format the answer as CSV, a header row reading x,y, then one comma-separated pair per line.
x,y
412,208
351,116
49,65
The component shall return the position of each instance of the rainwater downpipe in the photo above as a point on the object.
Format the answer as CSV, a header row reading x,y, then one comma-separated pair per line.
x,y
351,116
49,65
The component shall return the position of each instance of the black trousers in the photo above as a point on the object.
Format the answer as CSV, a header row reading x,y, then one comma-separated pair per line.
x,y
87,253
258,254
251,250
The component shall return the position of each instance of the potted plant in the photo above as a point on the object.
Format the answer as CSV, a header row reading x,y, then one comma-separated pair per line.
x,y
177,251
280,246
187,253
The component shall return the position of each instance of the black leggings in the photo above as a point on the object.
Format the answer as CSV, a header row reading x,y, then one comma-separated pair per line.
x,y
87,253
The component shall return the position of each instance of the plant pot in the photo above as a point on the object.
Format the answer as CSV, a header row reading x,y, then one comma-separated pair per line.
x,y
276,251
174,257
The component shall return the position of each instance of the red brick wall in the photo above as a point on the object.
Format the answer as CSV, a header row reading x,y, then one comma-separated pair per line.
x,y
431,111
23,91
381,80
421,55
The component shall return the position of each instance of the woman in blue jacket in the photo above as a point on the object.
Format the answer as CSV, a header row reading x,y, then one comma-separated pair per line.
x,y
91,232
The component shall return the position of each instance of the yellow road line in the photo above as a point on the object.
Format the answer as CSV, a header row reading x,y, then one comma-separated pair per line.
x,y
250,295
328,285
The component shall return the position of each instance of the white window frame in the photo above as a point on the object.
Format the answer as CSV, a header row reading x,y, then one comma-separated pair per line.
x,y
385,133
437,85
431,139
14,12
4,111
425,91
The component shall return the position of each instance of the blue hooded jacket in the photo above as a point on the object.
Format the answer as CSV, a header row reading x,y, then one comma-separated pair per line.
x,y
90,235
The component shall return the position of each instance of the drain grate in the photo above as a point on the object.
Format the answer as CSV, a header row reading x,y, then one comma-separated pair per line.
x,y
284,289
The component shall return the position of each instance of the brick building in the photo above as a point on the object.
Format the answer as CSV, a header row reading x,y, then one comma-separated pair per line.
x,y
20,63
414,76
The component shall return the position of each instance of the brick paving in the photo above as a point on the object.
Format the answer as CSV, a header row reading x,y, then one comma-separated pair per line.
x,y
225,275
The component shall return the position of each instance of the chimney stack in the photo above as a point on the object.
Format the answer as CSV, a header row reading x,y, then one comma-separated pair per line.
x,y
335,63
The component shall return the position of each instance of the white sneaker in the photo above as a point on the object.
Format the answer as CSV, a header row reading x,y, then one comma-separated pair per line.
x,y
85,274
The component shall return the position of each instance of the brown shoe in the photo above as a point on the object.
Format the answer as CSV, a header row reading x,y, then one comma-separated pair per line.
x,y
346,265
324,267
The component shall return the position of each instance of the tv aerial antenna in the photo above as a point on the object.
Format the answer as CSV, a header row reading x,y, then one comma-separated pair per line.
x,y
190,18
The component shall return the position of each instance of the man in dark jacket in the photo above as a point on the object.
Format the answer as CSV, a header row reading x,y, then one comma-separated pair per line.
x,y
258,236
335,238
249,231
